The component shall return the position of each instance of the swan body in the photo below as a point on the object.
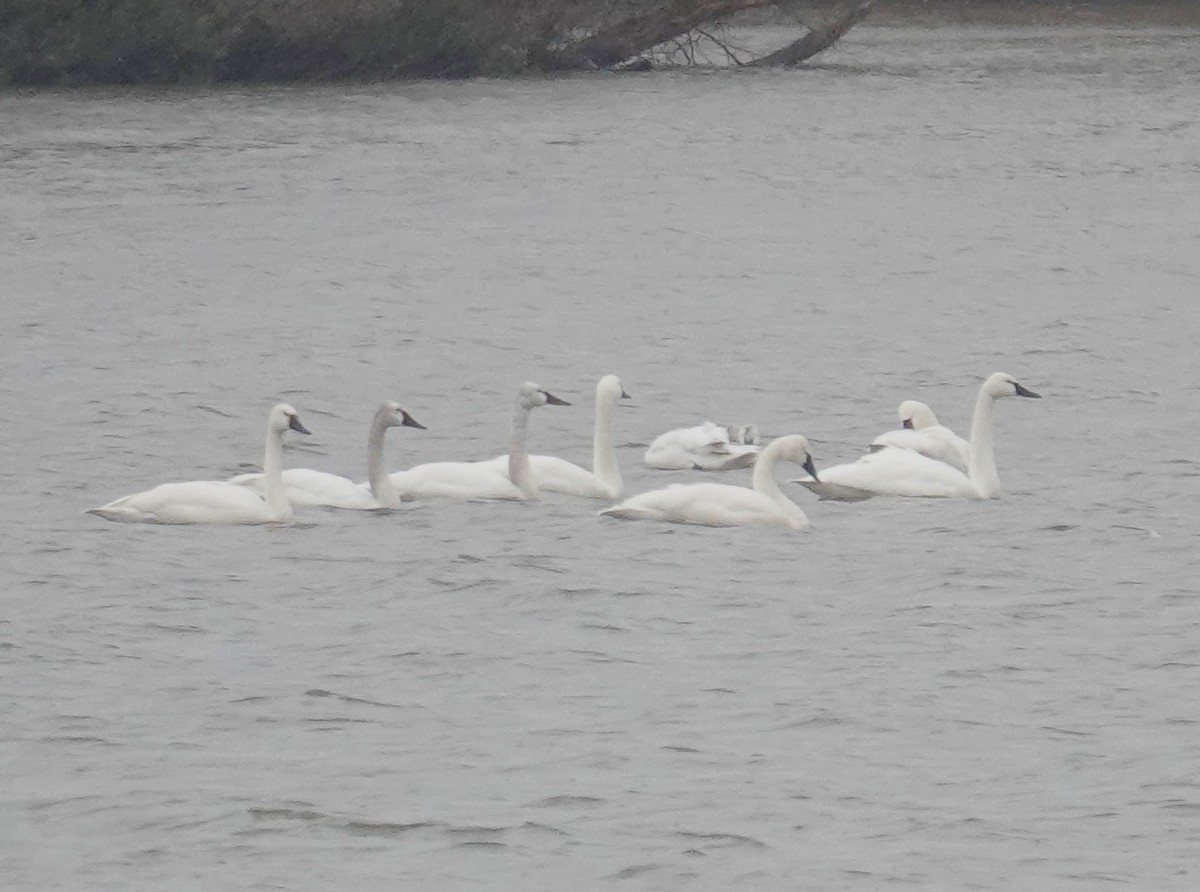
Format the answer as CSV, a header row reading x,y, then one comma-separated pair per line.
x,y
922,433
705,447
901,472
483,479
319,488
215,501
722,505
555,474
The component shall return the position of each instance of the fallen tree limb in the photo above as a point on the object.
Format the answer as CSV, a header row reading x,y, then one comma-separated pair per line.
x,y
624,40
818,39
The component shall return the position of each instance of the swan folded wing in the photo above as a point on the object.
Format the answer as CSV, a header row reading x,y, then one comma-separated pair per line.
x,y
198,501
554,474
457,480
310,488
705,504
891,472
939,443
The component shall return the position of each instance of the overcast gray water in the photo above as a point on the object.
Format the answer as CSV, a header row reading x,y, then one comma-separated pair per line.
x,y
921,694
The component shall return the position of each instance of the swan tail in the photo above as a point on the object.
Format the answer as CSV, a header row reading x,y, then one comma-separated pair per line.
x,y
120,514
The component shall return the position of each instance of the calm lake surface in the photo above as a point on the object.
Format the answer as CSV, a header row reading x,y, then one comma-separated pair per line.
x,y
915,694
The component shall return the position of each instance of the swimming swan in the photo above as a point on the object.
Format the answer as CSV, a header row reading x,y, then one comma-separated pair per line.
x,y
604,480
922,433
308,487
705,447
902,472
215,501
483,479
722,505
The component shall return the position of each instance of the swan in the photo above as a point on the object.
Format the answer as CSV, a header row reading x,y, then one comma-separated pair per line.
x,y
483,479
722,505
215,501
902,472
604,480
922,433
308,487
705,447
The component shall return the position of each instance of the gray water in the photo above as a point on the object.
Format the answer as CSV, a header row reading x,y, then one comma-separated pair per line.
x,y
925,694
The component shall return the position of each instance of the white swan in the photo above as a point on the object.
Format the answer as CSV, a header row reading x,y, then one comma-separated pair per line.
x,y
604,480
705,447
922,433
308,487
483,479
722,505
902,472
215,501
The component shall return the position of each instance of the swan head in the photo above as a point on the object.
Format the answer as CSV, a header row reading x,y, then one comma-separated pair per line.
x,y
794,448
610,389
390,414
999,385
915,415
531,396
283,417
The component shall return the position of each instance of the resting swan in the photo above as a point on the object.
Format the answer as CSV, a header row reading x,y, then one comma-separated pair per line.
x,y
722,505
922,433
604,480
705,447
308,487
902,472
214,501
483,479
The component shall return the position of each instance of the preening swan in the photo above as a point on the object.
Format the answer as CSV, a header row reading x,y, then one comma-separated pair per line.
x,y
483,479
721,505
705,447
922,433
604,480
214,501
308,487
902,472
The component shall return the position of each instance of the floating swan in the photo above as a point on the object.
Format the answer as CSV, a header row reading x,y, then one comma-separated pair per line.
x,y
214,501
902,472
722,505
604,480
922,433
483,479
705,447
308,487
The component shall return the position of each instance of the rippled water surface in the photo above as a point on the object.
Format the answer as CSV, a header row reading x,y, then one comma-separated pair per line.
x,y
925,694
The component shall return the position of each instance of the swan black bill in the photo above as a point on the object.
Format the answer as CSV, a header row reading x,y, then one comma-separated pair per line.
x,y
625,395
409,421
295,425
1025,391
552,400
907,424
811,468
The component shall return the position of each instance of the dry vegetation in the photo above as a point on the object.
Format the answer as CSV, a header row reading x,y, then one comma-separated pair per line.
x,y
75,42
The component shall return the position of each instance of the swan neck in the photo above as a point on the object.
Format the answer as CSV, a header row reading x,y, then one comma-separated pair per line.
x,y
981,461
764,482
520,470
382,489
764,473
604,453
276,495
